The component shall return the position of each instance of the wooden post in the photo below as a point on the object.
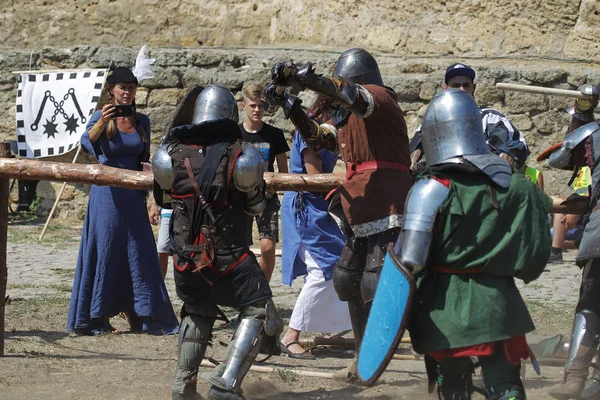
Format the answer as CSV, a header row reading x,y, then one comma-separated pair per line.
x,y
4,153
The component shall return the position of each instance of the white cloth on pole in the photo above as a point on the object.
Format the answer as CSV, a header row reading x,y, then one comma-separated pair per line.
x,y
53,108
318,308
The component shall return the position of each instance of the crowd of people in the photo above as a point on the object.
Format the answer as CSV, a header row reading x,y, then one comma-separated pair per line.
x,y
465,210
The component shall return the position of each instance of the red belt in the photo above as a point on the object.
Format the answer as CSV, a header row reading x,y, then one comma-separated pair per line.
x,y
353,168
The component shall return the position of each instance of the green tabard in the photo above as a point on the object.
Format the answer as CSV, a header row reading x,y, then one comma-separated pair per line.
x,y
464,309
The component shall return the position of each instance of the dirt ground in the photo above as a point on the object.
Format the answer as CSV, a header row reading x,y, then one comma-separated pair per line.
x,y
44,362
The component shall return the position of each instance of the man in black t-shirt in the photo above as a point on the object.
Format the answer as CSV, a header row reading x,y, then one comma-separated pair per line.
x,y
271,142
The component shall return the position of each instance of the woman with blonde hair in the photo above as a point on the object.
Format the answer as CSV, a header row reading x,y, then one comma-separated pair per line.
x,y
116,273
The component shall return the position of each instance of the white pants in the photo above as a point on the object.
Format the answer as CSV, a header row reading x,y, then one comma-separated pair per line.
x,y
318,308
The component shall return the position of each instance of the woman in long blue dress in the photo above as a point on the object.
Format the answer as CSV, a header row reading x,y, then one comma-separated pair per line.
x,y
117,268
312,244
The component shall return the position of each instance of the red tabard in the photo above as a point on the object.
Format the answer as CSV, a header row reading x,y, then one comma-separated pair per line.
x,y
374,194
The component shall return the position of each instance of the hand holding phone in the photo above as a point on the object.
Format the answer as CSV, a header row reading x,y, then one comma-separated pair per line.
x,y
123,110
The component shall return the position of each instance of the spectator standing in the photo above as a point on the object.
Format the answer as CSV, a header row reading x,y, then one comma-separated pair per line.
x,y
271,142
163,216
312,244
115,272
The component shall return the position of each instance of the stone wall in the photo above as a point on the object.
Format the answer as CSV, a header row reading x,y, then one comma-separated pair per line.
x,y
415,79
549,28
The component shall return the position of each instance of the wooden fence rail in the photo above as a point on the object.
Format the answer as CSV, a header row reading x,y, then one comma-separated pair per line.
x,y
108,176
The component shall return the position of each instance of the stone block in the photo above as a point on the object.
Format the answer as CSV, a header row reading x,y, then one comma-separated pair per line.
x,y
171,58
163,97
486,92
141,97
544,77
551,122
68,193
159,119
522,122
407,86
519,103
428,90
164,78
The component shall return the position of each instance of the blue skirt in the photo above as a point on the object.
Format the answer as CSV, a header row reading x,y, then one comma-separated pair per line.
x,y
304,219
117,268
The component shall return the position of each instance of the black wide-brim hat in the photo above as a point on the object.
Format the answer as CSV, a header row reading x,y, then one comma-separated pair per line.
x,y
122,74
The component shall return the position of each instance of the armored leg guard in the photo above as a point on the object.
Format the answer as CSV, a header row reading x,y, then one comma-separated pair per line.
x,y
583,345
358,319
194,336
242,351
455,379
347,279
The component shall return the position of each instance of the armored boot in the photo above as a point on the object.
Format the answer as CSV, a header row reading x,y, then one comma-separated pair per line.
x,y
358,318
575,375
591,389
226,378
582,349
194,336
455,378
516,393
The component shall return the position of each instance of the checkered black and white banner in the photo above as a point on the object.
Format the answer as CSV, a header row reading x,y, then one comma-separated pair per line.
x,y
53,110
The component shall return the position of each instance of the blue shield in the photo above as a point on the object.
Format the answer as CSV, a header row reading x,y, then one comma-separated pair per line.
x,y
387,319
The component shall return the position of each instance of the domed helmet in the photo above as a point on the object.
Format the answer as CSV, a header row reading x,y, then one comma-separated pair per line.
x,y
452,127
358,66
213,103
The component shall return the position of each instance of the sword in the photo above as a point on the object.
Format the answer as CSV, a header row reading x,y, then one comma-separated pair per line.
x,y
515,87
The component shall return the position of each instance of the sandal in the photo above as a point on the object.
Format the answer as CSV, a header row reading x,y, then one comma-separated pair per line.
x,y
305,355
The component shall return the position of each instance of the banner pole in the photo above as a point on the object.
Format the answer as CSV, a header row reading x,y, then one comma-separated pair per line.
x,y
60,192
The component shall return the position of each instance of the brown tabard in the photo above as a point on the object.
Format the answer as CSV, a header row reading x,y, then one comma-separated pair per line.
x,y
376,194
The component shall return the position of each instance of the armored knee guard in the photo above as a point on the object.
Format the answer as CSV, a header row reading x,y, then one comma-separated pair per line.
x,y
240,354
346,282
194,337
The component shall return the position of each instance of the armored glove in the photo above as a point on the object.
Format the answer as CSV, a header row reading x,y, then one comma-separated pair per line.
x,y
282,73
287,74
273,98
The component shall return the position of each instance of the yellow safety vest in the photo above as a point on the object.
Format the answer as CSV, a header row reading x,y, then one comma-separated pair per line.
x,y
582,181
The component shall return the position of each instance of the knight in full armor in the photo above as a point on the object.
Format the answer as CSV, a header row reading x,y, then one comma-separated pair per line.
x,y
214,182
464,223
369,130
581,148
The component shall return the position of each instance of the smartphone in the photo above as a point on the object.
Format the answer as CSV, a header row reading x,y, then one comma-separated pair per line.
x,y
123,110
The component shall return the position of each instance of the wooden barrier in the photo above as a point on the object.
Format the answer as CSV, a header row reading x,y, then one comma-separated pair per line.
x,y
107,176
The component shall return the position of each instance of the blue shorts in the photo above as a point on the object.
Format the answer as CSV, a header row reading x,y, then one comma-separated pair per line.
x,y
572,234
